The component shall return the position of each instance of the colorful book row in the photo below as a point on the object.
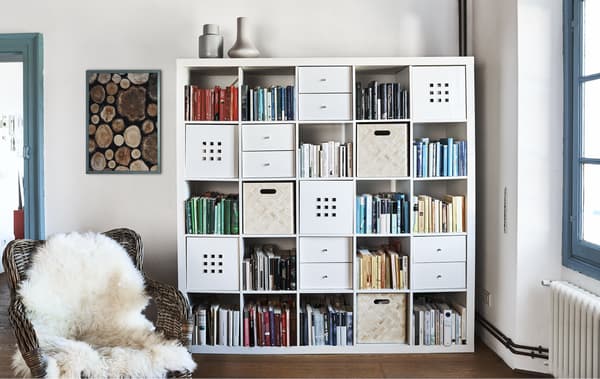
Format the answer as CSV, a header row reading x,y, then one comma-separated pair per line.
x,y
444,157
326,324
268,269
211,104
275,103
382,268
212,213
431,215
383,213
328,159
216,325
439,323
273,324
381,101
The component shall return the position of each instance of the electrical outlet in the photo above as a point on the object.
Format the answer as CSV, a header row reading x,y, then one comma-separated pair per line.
x,y
486,298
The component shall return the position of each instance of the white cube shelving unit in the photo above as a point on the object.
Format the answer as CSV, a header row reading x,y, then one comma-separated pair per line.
x,y
233,156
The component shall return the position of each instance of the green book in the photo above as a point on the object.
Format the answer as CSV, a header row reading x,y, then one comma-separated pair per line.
x,y
198,215
235,226
188,216
227,217
210,216
194,212
218,217
201,218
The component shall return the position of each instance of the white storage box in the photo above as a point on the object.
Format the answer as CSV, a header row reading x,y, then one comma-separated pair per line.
x,y
325,276
326,106
325,249
381,318
336,79
326,207
268,208
268,137
211,151
268,164
440,249
438,93
382,150
432,276
212,264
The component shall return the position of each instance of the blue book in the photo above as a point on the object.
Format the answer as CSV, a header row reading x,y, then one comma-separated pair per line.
x,y
444,160
419,159
358,220
425,160
368,213
438,161
405,216
273,104
455,159
260,104
449,142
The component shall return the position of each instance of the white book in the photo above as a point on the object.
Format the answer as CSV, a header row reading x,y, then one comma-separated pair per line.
x,y
447,325
222,331
236,328
202,326
229,327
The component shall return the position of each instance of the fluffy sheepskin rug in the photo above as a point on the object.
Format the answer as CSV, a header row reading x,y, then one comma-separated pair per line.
x,y
85,297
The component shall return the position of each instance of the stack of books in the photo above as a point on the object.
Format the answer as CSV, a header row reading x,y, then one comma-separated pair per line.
x,y
216,325
326,324
211,104
329,159
439,323
275,103
271,324
382,268
212,213
268,269
381,101
383,213
443,157
432,215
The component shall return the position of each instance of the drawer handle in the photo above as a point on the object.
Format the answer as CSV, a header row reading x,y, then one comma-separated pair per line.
x,y
439,276
266,164
381,301
323,107
323,79
439,250
323,250
267,137
324,277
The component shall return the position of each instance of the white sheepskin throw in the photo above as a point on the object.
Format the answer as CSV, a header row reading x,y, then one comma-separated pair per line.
x,y
84,297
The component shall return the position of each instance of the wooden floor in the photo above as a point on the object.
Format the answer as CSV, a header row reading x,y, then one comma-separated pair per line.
x,y
481,364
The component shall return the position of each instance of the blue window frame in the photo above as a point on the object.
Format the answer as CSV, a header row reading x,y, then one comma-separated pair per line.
x,y
581,205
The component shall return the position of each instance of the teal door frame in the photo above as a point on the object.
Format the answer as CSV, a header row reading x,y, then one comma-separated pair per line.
x,y
29,46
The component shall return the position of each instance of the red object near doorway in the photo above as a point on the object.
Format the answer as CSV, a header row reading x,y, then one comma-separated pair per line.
x,y
19,224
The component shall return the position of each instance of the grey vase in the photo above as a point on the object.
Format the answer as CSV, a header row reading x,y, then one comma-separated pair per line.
x,y
210,44
243,47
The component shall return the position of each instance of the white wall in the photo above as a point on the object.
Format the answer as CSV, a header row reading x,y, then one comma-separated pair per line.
x,y
80,35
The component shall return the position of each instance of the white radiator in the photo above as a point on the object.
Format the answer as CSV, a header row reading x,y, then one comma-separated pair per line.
x,y
575,339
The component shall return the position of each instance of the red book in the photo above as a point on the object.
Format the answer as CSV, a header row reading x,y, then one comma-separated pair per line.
x,y
246,328
200,105
277,339
207,105
267,329
260,340
235,103
222,104
283,328
216,115
227,102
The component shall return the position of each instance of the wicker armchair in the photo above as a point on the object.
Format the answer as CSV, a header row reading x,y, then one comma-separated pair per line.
x,y
173,310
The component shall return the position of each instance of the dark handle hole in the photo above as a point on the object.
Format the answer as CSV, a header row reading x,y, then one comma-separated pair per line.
x,y
382,132
381,301
268,191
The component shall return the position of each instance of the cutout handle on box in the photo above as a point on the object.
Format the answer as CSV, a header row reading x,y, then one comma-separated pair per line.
x,y
381,301
382,132
268,191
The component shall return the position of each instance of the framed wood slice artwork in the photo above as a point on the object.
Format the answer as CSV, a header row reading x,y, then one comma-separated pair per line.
x,y
123,121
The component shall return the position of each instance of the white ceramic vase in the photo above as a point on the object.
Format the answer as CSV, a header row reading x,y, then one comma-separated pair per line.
x,y
243,47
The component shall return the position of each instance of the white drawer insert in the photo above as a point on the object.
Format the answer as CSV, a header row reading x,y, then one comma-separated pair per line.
x,y
268,164
324,79
267,137
336,106
440,249
212,264
446,275
325,276
325,249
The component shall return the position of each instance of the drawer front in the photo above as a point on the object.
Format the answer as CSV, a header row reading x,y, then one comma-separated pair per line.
x,y
271,164
326,207
326,249
324,79
325,276
211,151
438,93
336,106
440,249
267,137
438,275
212,264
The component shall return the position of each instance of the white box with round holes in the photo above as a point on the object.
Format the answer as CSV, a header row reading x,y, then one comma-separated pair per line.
x,y
438,94
212,264
268,208
211,151
382,150
326,207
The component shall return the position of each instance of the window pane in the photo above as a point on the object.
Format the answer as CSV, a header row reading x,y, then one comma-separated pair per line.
x,y
591,203
591,30
591,119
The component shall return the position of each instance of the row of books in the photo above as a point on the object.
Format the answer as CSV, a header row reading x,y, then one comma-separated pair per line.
x,y
439,323
212,213
216,325
211,104
444,157
383,213
329,159
275,103
381,101
326,324
273,324
268,269
382,268
431,215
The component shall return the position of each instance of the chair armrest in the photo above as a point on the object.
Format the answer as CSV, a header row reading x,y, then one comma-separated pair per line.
x,y
173,311
26,338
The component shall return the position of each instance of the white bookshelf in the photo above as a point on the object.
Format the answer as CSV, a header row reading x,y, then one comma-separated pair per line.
x,y
270,71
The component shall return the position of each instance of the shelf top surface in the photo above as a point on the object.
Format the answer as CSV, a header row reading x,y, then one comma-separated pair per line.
x,y
323,61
